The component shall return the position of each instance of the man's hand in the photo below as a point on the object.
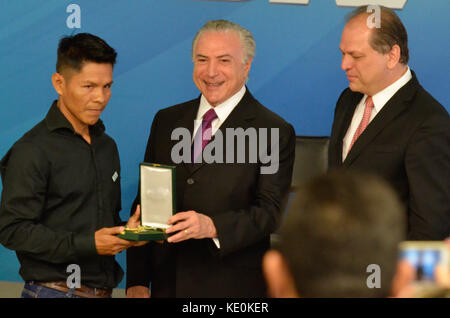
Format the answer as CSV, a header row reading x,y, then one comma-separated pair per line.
x,y
107,243
134,220
138,292
190,225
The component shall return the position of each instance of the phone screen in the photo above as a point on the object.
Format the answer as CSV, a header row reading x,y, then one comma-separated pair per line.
x,y
429,259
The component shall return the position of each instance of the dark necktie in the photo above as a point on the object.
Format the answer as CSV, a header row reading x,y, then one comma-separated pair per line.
x,y
203,135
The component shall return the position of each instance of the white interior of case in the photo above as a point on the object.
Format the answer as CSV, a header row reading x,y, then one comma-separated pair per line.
x,y
156,196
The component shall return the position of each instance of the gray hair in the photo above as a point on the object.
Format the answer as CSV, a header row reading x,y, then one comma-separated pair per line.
x,y
247,40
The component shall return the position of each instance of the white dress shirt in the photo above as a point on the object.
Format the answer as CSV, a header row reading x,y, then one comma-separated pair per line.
x,y
222,111
379,100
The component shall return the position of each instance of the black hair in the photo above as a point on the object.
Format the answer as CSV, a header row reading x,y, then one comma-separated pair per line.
x,y
74,50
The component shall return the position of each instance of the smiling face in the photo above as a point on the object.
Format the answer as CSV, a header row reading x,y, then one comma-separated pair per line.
x,y
84,95
368,71
219,68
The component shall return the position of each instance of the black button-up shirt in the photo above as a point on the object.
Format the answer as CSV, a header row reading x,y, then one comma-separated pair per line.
x,y
57,191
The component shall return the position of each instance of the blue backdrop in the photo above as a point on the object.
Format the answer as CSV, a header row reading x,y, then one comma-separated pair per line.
x,y
296,71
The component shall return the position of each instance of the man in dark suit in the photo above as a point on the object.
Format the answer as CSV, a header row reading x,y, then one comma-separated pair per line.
x,y
408,132
228,208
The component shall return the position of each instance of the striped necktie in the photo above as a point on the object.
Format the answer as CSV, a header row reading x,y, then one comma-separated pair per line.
x,y
364,121
203,135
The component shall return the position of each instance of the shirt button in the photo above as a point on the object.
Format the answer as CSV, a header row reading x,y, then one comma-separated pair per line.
x,y
190,181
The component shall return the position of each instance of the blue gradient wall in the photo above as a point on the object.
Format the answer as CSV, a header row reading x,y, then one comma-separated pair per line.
x,y
296,70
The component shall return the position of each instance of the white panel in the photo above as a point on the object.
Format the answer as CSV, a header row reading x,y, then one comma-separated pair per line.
x,y
156,196
290,1
393,4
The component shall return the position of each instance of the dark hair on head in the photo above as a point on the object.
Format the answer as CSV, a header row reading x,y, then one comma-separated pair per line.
x,y
336,226
391,32
74,50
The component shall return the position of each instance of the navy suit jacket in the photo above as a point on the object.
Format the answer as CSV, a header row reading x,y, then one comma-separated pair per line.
x,y
243,204
408,144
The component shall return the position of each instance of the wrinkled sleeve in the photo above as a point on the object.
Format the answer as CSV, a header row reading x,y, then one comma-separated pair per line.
x,y
25,173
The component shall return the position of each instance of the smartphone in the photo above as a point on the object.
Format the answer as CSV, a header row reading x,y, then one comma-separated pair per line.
x,y
430,259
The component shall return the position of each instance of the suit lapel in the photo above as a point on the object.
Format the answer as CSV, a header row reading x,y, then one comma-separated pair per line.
x,y
241,115
395,106
186,120
343,123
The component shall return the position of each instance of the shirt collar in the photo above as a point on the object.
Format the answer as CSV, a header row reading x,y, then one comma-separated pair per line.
x,y
56,120
222,110
382,97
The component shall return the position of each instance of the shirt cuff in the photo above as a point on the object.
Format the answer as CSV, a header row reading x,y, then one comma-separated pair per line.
x,y
84,245
216,241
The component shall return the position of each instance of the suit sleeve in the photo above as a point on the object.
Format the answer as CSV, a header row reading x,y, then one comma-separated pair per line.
x,y
117,220
335,145
138,258
427,163
241,228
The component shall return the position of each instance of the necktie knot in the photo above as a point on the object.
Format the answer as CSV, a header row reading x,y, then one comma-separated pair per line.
x,y
369,103
209,116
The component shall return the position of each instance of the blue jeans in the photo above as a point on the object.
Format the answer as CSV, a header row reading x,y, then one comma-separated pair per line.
x,y
32,290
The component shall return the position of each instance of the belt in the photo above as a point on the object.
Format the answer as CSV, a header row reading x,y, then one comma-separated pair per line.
x,y
82,291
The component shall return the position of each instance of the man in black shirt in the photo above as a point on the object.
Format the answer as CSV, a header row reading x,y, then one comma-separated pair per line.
x,y
61,183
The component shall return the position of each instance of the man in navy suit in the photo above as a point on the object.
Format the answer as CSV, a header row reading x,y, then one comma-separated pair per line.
x,y
386,123
228,209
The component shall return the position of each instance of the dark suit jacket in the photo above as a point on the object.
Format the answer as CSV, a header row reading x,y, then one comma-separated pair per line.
x,y
407,143
243,204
